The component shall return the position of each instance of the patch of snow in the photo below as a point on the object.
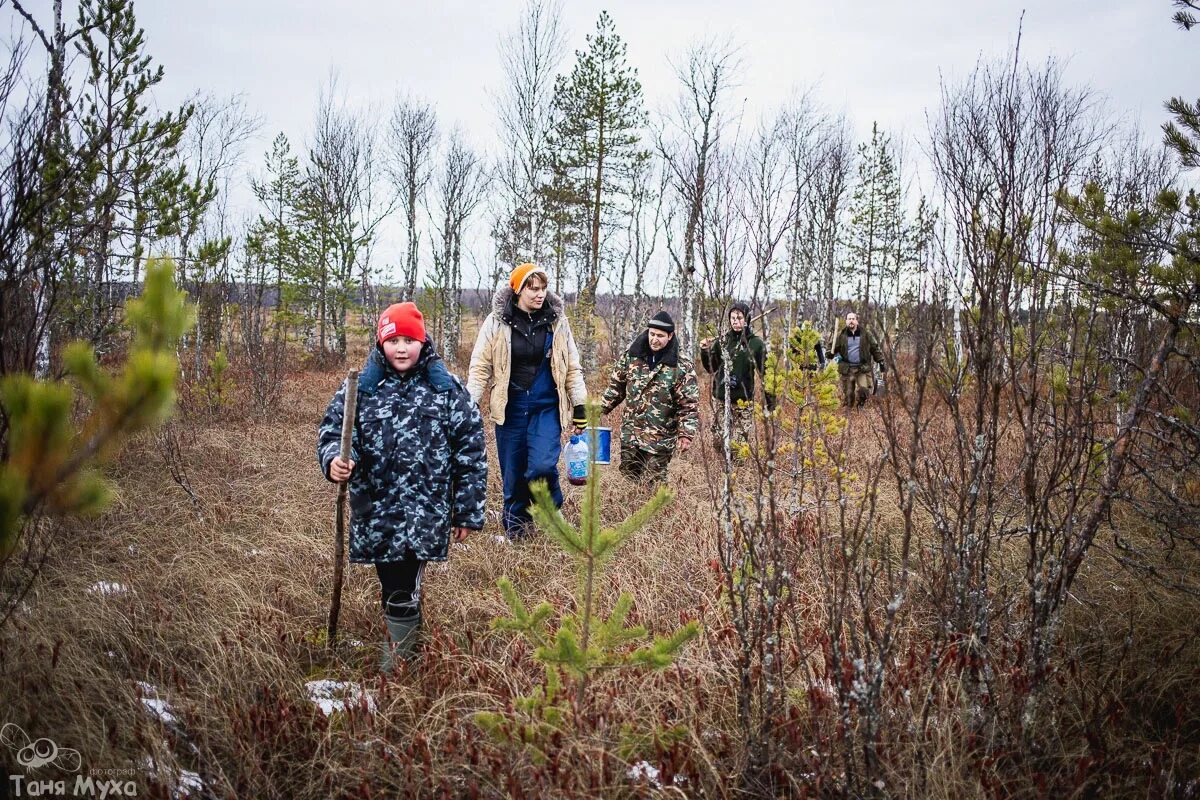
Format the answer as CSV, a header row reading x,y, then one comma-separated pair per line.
x,y
185,784
156,705
188,783
108,588
645,771
331,696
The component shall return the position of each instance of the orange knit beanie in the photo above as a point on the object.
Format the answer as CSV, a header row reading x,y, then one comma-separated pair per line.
x,y
522,273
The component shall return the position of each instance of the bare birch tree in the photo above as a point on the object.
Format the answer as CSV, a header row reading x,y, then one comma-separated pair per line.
x,y
722,244
801,126
768,208
822,209
1004,143
642,235
530,56
688,134
411,141
461,186
212,151
343,208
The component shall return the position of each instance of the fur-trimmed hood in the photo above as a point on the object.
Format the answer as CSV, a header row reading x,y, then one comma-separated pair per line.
x,y
504,300
377,368
492,356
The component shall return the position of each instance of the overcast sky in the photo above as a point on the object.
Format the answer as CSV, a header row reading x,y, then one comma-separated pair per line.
x,y
875,59
872,59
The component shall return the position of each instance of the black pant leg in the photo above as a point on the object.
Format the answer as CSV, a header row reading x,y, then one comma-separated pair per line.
x,y
400,586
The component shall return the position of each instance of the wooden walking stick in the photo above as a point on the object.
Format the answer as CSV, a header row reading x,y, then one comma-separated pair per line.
x,y
339,544
759,316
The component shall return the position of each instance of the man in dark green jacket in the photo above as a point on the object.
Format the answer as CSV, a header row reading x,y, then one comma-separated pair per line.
x,y
854,351
747,355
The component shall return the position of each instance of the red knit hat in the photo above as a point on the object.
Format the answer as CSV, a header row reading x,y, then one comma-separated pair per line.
x,y
401,319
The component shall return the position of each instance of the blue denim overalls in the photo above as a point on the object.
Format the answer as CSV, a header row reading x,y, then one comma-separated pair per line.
x,y
528,445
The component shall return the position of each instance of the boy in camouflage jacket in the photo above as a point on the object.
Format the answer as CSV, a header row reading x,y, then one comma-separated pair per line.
x,y
661,397
417,473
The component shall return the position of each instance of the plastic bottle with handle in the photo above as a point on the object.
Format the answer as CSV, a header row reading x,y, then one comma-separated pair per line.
x,y
578,458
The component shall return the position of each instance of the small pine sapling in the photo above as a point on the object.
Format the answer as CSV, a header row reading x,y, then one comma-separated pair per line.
x,y
814,392
217,385
50,463
586,641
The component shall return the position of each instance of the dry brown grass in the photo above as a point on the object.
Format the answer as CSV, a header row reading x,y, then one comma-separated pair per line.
x,y
226,615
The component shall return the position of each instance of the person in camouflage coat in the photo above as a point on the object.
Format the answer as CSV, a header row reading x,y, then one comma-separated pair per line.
x,y
418,471
661,397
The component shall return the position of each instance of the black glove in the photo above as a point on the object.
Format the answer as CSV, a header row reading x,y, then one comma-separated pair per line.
x,y
579,417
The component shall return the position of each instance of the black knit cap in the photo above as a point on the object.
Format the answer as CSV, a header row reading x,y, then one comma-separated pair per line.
x,y
662,321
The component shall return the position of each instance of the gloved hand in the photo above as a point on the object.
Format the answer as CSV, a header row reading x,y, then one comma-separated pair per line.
x,y
579,417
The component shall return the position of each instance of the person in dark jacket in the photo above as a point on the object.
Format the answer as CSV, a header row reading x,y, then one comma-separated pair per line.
x,y
854,350
417,472
747,355
658,387
526,353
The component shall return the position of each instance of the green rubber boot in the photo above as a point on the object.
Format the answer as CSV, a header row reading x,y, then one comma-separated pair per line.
x,y
401,646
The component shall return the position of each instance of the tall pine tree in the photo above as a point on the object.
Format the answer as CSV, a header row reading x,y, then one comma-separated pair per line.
x,y
596,146
140,188
275,234
876,220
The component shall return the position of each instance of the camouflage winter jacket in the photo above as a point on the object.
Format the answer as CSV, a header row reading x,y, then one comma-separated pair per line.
x,y
660,397
420,467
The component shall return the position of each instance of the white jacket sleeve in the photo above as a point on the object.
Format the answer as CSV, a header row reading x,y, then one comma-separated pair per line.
x,y
479,373
576,387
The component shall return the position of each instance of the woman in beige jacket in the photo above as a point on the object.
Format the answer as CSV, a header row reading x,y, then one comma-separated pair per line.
x,y
527,354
